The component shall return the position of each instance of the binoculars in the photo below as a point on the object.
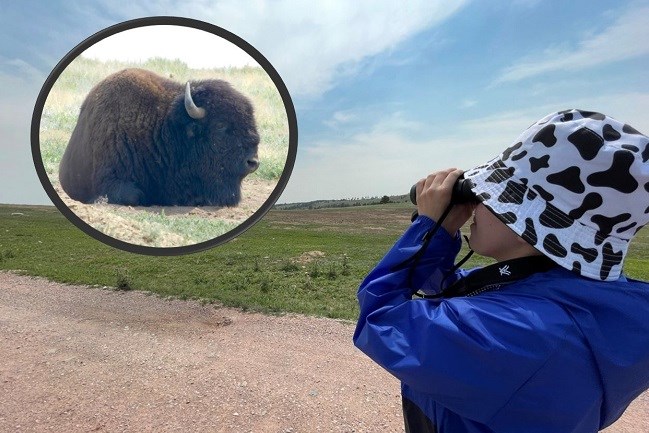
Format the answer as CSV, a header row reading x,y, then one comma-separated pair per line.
x,y
461,193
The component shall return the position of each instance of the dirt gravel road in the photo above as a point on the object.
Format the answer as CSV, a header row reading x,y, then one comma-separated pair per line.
x,y
76,359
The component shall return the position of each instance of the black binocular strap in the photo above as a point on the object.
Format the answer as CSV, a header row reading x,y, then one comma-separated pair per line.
x,y
493,276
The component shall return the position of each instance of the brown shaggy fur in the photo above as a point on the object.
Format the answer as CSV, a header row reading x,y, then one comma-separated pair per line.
x,y
135,144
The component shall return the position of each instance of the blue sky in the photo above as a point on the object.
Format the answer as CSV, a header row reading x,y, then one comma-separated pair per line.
x,y
385,92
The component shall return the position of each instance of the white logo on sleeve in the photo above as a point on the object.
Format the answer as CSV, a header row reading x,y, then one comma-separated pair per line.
x,y
504,270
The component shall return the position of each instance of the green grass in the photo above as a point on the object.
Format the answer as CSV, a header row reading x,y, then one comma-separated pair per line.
x,y
259,270
256,271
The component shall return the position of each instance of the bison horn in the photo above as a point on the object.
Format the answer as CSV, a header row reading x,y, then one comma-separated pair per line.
x,y
193,111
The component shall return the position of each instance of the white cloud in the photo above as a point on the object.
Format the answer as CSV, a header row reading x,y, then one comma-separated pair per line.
x,y
341,118
626,38
367,165
311,47
468,103
385,160
21,185
631,108
197,48
24,70
337,37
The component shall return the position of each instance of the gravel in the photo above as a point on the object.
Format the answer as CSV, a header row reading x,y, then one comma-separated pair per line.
x,y
80,359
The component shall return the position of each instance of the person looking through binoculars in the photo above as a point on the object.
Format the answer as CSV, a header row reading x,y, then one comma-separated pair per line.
x,y
551,338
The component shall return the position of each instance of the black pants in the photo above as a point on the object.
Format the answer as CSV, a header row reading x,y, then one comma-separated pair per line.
x,y
415,419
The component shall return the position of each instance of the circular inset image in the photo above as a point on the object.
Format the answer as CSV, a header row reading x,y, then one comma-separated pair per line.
x,y
164,136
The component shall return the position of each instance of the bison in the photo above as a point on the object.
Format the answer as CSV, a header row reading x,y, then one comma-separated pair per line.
x,y
144,140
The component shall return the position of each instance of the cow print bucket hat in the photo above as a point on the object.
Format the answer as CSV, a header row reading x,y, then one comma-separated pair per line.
x,y
575,185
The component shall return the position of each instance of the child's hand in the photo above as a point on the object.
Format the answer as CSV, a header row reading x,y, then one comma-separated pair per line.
x,y
434,195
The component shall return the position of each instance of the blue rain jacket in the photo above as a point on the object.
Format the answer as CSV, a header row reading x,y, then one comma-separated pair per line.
x,y
550,353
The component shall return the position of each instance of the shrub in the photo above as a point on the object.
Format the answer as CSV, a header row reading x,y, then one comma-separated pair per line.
x,y
123,280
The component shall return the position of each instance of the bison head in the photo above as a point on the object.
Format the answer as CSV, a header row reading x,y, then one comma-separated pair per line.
x,y
220,142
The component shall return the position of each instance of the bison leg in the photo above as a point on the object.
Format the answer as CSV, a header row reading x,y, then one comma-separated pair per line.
x,y
124,192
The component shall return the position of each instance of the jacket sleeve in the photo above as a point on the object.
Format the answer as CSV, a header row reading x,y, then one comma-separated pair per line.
x,y
433,266
468,354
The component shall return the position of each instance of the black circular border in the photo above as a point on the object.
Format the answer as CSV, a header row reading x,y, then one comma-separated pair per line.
x,y
152,21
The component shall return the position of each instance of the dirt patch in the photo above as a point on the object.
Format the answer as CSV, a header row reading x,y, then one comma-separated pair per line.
x,y
307,257
366,220
132,225
77,359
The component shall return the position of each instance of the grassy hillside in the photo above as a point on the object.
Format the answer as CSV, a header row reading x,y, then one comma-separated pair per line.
x,y
63,103
346,202
303,261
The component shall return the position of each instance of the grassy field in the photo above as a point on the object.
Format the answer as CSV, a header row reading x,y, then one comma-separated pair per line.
x,y
152,227
304,261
